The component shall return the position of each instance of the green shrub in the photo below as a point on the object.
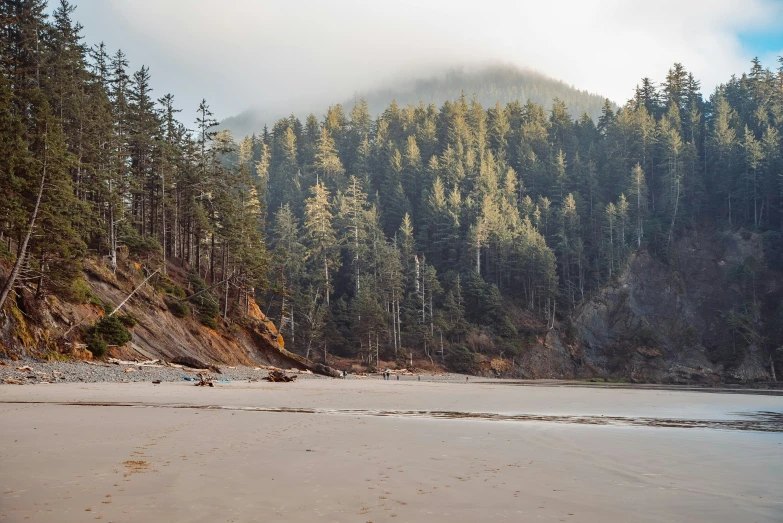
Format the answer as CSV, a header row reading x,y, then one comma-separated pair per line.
x,y
180,309
95,300
166,285
4,252
95,344
138,245
208,321
128,320
79,292
206,303
505,328
112,331
461,359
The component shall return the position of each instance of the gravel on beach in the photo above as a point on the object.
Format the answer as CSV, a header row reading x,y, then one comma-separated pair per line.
x,y
80,371
101,371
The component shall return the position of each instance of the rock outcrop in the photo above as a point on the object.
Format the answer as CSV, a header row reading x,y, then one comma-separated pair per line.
x,y
659,321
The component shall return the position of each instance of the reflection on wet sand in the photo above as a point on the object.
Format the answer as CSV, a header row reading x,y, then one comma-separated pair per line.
x,y
761,421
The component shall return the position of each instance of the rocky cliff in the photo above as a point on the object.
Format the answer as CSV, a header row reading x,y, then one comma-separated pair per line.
x,y
48,327
699,316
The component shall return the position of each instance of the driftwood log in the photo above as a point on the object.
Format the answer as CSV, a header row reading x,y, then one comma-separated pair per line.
x,y
193,363
277,376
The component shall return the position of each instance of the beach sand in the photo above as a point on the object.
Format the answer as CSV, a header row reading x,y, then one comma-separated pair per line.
x,y
371,450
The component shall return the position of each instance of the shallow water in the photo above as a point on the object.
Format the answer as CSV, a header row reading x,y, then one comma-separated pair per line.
x,y
759,421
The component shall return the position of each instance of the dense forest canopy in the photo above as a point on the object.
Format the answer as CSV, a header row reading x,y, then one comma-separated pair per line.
x,y
489,85
442,230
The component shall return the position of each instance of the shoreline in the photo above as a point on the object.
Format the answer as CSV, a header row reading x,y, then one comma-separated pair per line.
x,y
79,371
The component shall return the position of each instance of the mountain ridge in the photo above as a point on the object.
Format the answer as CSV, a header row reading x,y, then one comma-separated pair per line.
x,y
489,84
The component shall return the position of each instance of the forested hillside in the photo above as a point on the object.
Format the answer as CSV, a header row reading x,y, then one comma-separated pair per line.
x,y
502,84
446,231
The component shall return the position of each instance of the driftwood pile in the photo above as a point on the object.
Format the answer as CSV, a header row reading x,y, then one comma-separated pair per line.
x,y
187,364
204,380
150,363
291,370
277,376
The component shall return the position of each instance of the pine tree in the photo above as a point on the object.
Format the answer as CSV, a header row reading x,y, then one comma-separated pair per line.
x,y
327,164
638,193
353,215
321,240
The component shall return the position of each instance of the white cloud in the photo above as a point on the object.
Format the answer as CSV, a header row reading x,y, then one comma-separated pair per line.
x,y
239,53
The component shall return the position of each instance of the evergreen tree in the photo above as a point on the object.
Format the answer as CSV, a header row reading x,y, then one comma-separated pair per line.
x,y
321,240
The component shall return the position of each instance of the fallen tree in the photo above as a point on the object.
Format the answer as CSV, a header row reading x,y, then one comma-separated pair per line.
x,y
277,376
195,363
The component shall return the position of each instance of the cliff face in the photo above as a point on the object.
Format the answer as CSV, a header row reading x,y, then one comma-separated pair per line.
x,y
48,327
668,322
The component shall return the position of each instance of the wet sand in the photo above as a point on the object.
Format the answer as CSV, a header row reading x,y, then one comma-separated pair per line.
x,y
369,450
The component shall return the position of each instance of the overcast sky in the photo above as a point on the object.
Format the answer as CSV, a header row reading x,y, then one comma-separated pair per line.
x,y
243,53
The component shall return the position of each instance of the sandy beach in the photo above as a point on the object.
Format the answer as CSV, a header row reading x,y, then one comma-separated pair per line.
x,y
371,450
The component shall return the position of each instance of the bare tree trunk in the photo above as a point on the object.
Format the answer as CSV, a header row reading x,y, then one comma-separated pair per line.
x,y
674,214
132,293
639,222
399,324
9,283
163,216
423,298
225,302
198,253
478,254
225,277
112,238
432,324
39,285
394,325
282,310
175,227
729,199
326,273
212,260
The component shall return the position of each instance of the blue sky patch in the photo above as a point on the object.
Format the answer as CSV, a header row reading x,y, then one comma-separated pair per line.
x,y
762,43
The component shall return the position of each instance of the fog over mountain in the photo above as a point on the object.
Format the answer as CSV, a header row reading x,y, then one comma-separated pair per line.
x,y
241,54
489,84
